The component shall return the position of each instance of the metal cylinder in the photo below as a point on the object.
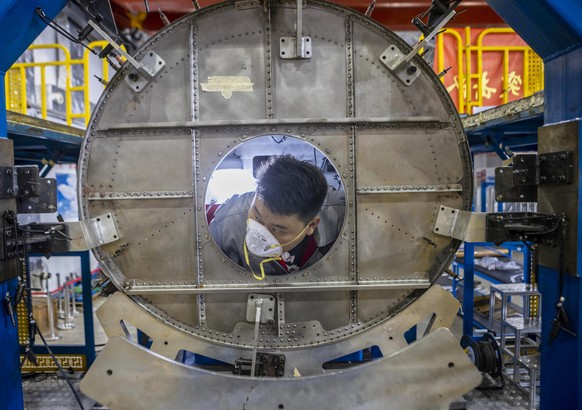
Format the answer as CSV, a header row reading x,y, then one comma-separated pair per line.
x,y
60,312
74,312
67,323
51,319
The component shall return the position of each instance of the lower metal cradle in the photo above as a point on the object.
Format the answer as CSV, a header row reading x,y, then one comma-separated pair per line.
x,y
429,373
128,376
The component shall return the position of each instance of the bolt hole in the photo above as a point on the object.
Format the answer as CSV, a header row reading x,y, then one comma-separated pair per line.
x,y
451,365
281,406
109,372
166,343
436,229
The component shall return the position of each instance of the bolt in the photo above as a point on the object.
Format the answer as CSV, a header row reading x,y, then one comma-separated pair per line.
x,y
133,77
411,70
562,178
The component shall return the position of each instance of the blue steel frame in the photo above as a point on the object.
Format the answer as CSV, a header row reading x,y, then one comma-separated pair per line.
x,y
20,26
553,28
469,273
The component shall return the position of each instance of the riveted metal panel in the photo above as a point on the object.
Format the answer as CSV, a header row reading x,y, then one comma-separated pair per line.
x,y
148,158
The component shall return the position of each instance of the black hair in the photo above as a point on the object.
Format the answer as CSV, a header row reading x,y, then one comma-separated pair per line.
x,y
289,186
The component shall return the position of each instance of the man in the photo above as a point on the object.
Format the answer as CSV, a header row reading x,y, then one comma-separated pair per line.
x,y
287,224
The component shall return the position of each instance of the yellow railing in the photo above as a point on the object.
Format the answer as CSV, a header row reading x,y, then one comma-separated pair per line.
x,y
467,79
16,99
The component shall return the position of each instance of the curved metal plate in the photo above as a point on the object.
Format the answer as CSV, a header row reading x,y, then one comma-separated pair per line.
x,y
148,157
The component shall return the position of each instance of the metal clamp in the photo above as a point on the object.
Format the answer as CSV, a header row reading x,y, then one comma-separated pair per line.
x,y
90,233
400,64
144,71
463,225
297,47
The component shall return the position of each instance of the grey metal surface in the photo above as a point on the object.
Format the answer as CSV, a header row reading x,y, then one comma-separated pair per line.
x,y
438,380
551,138
463,225
45,391
304,344
149,155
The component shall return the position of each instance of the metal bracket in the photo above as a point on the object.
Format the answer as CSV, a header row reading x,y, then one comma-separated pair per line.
x,y
506,190
91,233
400,64
499,227
269,365
525,226
153,63
463,225
267,309
555,168
34,195
147,69
297,47
519,183
394,59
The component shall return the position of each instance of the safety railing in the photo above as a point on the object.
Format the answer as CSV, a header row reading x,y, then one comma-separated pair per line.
x,y
16,81
470,84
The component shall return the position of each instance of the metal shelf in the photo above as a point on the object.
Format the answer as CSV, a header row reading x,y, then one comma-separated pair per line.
x,y
38,141
513,125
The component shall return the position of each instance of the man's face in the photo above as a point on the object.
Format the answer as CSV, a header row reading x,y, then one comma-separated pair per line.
x,y
283,227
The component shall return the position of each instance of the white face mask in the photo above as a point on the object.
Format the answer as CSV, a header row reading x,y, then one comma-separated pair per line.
x,y
260,241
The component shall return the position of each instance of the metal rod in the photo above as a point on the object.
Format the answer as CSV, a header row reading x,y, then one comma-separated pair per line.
x,y
59,296
192,289
258,308
67,324
416,121
299,30
143,70
74,312
370,8
422,43
51,319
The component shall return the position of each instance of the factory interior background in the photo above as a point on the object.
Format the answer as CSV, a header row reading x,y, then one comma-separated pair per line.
x,y
449,129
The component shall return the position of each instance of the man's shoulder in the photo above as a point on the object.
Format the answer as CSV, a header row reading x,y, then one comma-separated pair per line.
x,y
235,205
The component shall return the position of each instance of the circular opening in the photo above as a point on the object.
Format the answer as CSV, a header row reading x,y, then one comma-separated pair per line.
x,y
288,211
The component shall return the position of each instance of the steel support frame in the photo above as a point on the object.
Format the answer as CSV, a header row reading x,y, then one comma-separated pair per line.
x,y
15,15
554,30
469,273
